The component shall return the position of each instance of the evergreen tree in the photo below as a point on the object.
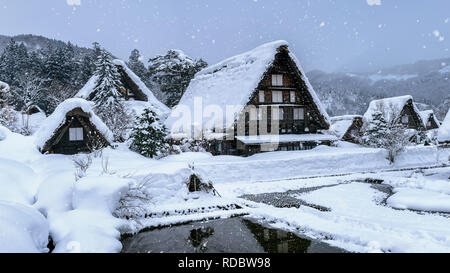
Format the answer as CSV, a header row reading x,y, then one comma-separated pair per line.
x,y
13,62
106,91
148,135
136,65
171,74
108,98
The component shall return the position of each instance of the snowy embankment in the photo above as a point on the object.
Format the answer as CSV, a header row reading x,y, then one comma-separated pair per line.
x,y
319,161
40,198
22,228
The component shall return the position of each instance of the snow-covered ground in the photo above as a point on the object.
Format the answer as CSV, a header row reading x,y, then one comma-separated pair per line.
x,y
41,197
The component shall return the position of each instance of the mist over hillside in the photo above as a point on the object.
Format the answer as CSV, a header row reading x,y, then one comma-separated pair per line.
x,y
349,93
36,43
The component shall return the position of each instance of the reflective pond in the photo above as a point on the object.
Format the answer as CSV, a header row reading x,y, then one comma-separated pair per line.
x,y
233,235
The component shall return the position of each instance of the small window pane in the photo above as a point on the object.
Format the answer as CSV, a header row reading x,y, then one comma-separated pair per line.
x,y
292,96
299,114
277,96
405,119
281,114
277,80
75,134
261,96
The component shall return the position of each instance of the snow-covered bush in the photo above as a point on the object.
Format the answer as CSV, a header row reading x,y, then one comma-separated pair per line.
x,y
82,164
186,145
131,203
8,118
149,135
379,133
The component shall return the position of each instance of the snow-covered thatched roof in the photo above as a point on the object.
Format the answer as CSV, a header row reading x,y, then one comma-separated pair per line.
x,y
231,83
444,130
391,108
341,124
157,106
53,122
426,115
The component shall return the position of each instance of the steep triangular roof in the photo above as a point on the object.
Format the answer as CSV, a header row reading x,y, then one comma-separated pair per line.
x,y
444,130
58,118
427,115
392,108
129,78
341,124
232,82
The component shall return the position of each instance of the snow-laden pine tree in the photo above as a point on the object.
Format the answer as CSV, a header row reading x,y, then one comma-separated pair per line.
x,y
171,74
136,65
108,98
148,135
380,133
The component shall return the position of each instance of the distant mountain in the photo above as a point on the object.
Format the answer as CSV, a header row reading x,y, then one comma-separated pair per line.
x,y
349,93
35,43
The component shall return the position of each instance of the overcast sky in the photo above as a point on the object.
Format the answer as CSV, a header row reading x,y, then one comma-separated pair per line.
x,y
350,35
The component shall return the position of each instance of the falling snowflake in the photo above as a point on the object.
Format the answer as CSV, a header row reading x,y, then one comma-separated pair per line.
x,y
373,2
73,2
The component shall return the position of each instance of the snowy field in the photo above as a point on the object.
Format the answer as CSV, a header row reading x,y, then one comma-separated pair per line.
x,y
40,196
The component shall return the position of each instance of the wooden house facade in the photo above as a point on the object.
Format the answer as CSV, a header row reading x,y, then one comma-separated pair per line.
x,y
73,128
279,108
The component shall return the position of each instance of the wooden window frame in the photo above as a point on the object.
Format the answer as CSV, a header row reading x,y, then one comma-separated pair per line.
x,y
76,134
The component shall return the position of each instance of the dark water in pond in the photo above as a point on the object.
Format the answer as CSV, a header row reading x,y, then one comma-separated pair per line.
x,y
233,235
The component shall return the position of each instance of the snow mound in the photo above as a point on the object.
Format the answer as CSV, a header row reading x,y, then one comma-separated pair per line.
x,y
231,83
22,229
444,130
4,132
17,182
90,227
58,118
420,199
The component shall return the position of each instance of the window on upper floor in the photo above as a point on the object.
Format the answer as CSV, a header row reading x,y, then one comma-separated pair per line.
x,y
405,119
277,80
261,96
292,96
277,96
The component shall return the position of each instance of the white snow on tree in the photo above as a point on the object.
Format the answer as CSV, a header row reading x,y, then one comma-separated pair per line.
x,y
136,65
149,135
172,73
107,97
379,133
8,117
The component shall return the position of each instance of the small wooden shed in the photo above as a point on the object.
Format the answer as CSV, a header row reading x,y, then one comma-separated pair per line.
x,y
73,128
